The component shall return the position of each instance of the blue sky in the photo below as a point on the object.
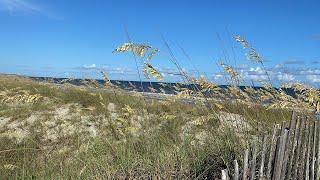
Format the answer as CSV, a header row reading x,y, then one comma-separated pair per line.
x,y
74,38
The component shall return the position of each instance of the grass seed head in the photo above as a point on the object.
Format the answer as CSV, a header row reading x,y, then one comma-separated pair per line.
x,y
148,69
242,41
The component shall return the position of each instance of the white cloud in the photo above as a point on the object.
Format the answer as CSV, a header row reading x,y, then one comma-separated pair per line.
x,y
91,66
310,72
255,74
257,77
26,6
293,62
257,70
278,66
116,70
314,78
19,5
285,77
242,66
106,68
217,76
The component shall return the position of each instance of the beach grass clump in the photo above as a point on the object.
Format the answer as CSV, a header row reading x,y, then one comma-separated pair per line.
x,y
81,132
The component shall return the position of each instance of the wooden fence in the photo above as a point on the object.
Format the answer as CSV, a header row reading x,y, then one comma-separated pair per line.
x,y
292,151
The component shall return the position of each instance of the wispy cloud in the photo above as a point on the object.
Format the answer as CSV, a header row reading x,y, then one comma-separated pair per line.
x,y
91,66
315,62
19,5
285,77
253,73
281,73
293,62
314,78
111,70
310,71
26,6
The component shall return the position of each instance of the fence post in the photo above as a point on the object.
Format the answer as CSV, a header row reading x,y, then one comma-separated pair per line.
x,y
299,149
245,164
294,145
254,159
318,156
304,151
280,155
263,156
307,174
288,145
314,150
224,174
236,170
272,151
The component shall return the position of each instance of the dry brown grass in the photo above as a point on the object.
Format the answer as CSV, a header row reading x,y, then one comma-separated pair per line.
x,y
125,136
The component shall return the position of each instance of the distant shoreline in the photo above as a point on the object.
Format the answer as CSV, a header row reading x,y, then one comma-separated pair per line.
x,y
147,86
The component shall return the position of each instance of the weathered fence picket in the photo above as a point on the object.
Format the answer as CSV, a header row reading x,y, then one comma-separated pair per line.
x,y
294,146
314,150
288,146
297,157
263,156
254,160
245,164
301,170
307,173
272,151
236,170
318,156
292,152
224,175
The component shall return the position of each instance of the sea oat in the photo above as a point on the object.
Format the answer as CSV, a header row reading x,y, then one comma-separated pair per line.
x,y
232,72
152,53
242,41
138,49
148,69
151,89
185,94
254,56
10,167
106,78
207,85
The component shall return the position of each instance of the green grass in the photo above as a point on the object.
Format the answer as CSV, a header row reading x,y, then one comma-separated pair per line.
x,y
163,148
153,155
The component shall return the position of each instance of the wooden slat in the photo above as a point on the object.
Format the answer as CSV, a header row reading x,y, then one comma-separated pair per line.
x,y
313,158
272,151
254,160
280,155
299,149
288,145
236,170
263,157
307,165
294,146
277,154
304,151
224,174
318,156
245,164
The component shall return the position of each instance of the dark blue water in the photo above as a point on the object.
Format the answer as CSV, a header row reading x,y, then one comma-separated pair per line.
x,y
155,87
